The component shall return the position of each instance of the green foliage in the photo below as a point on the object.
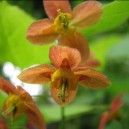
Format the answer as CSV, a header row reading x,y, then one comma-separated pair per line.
x,y
14,46
114,14
114,125
117,60
52,113
100,47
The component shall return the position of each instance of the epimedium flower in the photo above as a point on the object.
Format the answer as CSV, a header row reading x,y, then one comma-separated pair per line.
x,y
63,23
20,101
113,112
64,75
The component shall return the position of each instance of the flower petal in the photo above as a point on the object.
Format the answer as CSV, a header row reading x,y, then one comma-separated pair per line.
x,y
86,14
37,75
41,32
116,104
103,121
35,116
91,78
7,87
76,40
64,56
31,109
52,6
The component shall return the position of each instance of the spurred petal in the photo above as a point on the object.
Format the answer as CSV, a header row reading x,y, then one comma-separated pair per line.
x,y
86,14
52,6
103,121
41,32
76,40
91,78
64,56
37,75
7,87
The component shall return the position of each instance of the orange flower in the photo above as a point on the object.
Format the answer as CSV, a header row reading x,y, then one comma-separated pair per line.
x,y
113,112
63,23
19,101
65,75
3,125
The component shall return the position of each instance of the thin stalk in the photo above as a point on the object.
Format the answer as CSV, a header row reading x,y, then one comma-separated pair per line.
x,y
62,117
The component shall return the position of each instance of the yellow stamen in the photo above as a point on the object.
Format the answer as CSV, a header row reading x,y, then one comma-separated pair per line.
x,y
13,105
61,22
63,90
64,81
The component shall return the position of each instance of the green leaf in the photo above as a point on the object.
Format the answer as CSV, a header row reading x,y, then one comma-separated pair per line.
x,y
13,44
100,46
53,113
119,50
114,125
114,14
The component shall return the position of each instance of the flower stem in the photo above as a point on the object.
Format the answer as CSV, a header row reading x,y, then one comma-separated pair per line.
x,y
62,117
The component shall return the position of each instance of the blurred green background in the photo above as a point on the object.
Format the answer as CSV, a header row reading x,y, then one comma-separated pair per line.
x,y
108,40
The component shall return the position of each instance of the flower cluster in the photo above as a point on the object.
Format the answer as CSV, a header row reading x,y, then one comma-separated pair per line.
x,y
71,59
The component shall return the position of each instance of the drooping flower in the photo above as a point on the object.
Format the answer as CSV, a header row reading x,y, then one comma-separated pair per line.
x,y
112,113
63,23
64,75
20,101
3,125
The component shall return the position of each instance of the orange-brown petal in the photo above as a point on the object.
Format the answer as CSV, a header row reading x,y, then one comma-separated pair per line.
x,y
7,87
31,109
41,32
35,116
116,104
91,78
64,56
103,120
37,75
77,41
52,6
86,14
